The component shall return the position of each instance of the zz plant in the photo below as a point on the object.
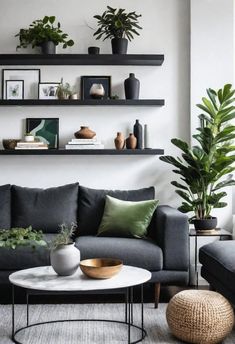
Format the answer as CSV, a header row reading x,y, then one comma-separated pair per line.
x,y
206,168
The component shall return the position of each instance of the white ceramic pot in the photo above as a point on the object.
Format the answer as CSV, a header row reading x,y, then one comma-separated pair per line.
x,y
65,259
29,138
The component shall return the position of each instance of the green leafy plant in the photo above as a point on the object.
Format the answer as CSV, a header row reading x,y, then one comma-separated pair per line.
x,y
43,30
64,91
206,168
14,237
65,236
116,23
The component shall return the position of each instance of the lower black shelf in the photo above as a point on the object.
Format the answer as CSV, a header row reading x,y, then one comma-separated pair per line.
x,y
61,151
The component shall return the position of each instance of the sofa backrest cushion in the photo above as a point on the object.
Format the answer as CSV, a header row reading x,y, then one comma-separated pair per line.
x,y
44,209
91,204
5,206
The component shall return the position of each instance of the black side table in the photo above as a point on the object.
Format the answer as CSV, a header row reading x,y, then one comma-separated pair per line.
x,y
218,232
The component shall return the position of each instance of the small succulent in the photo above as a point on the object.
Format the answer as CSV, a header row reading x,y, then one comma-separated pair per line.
x,y
65,235
14,237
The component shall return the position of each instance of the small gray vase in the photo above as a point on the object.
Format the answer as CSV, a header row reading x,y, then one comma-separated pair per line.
x,y
65,259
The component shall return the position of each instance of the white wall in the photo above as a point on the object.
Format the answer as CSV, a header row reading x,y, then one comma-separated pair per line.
x,y
166,30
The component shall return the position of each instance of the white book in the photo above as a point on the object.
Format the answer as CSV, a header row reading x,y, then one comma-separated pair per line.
x,y
84,140
84,143
100,146
31,143
31,148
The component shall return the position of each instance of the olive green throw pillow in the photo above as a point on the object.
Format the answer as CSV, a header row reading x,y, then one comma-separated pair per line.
x,y
125,218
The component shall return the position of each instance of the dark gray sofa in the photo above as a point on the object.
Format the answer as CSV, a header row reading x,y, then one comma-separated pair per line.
x,y
218,267
165,251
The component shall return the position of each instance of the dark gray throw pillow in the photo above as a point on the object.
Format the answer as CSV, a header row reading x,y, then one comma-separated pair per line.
x,y
44,209
5,206
91,204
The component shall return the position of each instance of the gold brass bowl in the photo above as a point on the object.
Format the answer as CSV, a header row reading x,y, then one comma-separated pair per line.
x,y
101,268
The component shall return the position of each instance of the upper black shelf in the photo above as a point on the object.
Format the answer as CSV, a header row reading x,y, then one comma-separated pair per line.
x,y
82,59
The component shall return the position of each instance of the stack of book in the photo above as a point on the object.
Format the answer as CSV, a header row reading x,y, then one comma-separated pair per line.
x,y
31,145
84,144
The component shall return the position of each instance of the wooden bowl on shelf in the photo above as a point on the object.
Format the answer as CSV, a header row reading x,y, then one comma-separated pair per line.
x,y
101,268
10,143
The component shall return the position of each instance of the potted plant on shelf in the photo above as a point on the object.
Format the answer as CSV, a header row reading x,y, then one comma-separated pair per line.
x,y
14,237
206,168
64,91
44,33
119,26
65,257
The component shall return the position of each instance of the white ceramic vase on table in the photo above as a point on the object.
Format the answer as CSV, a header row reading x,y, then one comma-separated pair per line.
x,y
65,259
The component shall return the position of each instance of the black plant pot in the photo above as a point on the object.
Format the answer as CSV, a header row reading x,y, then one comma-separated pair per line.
x,y
48,48
93,50
119,45
205,224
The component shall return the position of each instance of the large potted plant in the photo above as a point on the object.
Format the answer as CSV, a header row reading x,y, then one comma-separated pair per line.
x,y
44,33
15,237
119,26
206,168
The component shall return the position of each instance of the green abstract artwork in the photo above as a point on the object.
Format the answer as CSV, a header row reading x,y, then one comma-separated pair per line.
x,y
45,130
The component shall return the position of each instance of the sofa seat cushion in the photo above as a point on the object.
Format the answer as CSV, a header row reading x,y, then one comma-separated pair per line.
x,y
91,204
44,209
25,257
5,206
142,253
219,259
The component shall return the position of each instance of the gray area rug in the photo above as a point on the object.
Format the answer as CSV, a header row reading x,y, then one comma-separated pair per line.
x,y
86,332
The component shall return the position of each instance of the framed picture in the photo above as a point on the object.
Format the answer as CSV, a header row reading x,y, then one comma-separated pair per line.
x,y
31,78
47,90
44,129
14,89
95,87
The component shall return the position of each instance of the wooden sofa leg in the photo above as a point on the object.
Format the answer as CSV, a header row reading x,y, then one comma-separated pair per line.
x,y
157,288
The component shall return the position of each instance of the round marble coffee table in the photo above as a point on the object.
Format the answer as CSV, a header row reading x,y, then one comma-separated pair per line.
x,y
43,280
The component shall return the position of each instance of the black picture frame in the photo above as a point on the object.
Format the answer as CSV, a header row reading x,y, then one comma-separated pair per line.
x,y
49,131
12,74
55,84
21,93
88,80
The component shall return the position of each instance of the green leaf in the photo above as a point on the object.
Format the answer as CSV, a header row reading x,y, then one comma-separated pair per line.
x,y
45,20
52,19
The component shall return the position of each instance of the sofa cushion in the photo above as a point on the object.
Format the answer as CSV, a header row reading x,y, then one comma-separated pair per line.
x,y
219,259
142,253
5,206
91,204
25,257
44,209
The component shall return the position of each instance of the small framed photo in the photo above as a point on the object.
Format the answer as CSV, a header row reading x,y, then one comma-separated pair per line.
x,y
44,129
95,87
47,90
14,89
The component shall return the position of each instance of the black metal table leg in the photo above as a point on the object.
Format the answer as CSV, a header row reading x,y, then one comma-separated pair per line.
x,y
27,301
13,312
129,317
131,297
142,310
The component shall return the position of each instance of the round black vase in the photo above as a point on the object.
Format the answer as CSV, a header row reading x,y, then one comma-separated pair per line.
x,y
132,87
138,132
119,45
48,48
205,224
93,50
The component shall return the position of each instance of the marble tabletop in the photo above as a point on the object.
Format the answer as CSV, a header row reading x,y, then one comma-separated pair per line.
x,y
45,279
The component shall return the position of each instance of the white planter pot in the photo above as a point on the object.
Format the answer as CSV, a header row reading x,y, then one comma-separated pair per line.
x,y
65,259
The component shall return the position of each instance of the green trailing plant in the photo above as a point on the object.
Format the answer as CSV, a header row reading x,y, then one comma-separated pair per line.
x,y
65,236
14,237
117,23
41,31
207,167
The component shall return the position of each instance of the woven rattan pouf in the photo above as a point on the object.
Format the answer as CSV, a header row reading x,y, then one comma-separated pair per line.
x,y
200,316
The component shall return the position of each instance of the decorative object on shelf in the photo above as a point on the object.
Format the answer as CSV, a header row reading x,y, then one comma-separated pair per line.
x,y
48,90
65,257
14,89
114,97
119,141
119,26
88,81
146,137
202,167
31,145
30,78
29,137
138,132
44,33
97,91
73,96
132,87
15,237
63,90
45,130
10,143
101,268
131,141
84,133
84,144
93,50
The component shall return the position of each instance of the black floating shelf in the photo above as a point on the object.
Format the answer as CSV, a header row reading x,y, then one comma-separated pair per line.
x,y
86,102
82,59
62,151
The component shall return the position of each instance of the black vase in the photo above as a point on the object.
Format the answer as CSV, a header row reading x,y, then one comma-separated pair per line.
x,y
119,45
93,50
138,132
132,87
48,48
205,224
